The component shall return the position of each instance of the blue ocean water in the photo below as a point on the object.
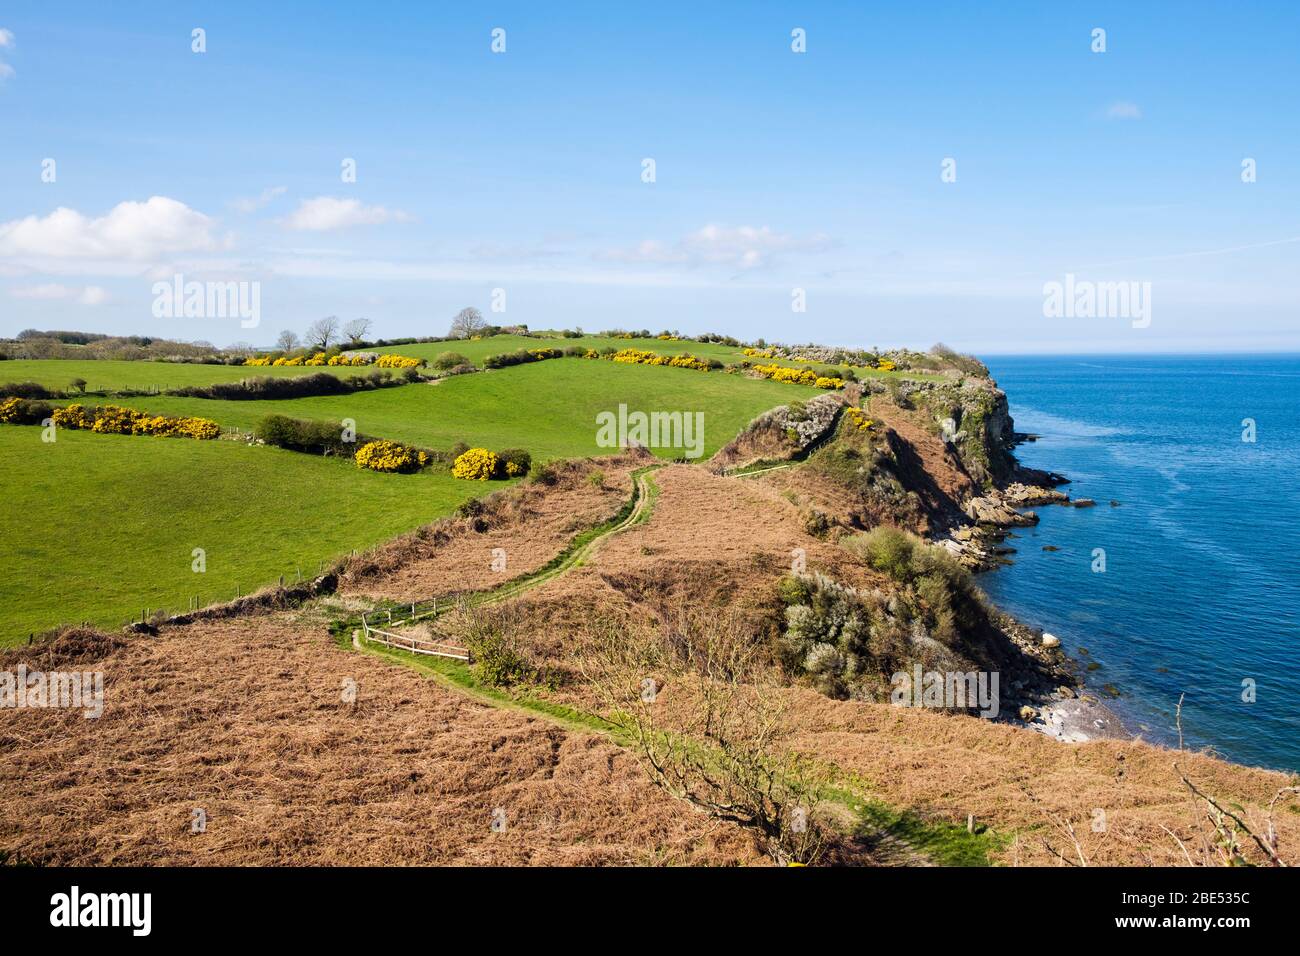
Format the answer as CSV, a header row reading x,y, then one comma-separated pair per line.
x,y
1201,587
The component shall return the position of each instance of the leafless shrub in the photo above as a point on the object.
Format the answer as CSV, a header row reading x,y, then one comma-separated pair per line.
x,y
696,702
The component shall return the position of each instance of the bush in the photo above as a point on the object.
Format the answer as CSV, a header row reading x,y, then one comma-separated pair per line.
x,y
398,361
477,464
299,435
266,387
116,420
887,549
446,360
514,462
493,643
27,390
521,357
390,456
24,411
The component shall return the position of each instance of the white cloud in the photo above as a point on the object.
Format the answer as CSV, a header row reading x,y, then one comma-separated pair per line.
x,y
254,203
740,247
327,212
130,230
53,292
1124,110
6,42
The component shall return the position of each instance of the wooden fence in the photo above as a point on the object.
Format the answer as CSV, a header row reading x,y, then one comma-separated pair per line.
x,y
407,642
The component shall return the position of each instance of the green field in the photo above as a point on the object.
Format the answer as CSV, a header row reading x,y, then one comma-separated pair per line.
x,y
478,349
546,407
98,527
110,375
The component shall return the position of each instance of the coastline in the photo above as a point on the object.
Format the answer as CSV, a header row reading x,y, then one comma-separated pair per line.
x,y
1069,712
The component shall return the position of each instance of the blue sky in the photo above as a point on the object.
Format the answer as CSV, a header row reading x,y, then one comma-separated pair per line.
x,y
774,170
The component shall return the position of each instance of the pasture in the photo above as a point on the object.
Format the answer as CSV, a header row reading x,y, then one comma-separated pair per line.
x,y
98,527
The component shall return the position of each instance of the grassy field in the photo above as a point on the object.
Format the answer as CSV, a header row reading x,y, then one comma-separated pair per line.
x,y
110,375
477,350
546,407
97,527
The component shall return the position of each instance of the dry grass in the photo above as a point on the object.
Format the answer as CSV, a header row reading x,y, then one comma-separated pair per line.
x,y
246,719
530,523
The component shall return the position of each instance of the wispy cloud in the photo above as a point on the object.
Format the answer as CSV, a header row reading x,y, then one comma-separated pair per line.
x,y
325,213
6,43
1124,110
737,247
248,204
53,292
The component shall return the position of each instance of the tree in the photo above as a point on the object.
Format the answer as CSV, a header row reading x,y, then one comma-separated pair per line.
x,y
468,322
287,342
699,706
357,330
322,333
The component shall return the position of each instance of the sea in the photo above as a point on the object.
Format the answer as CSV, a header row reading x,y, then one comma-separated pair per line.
x,y
1184,580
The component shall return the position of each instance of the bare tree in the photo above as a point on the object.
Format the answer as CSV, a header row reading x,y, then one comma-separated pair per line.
x,y
322,333
697,704
287,342
357,330
468,321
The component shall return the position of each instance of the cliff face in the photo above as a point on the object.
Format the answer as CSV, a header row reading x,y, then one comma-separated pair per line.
x,y
971,416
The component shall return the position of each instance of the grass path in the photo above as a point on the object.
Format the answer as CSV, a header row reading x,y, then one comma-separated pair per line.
x,y
581,549
893,837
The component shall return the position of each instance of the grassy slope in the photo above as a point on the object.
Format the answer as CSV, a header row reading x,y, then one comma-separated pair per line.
x,y
96,527
477,349
547,407
109,375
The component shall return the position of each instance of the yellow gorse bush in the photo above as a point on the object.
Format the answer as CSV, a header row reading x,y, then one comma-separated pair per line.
x,y
645,357
477,464
9,410
858,419
116,420
398,361
390,456
798,376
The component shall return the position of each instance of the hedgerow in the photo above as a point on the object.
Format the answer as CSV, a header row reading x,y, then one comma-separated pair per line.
x,y
116,420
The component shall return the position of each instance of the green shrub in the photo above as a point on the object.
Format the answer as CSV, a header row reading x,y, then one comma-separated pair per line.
x,y
887,549
493,643
27,390
299,435
514,462
446,360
